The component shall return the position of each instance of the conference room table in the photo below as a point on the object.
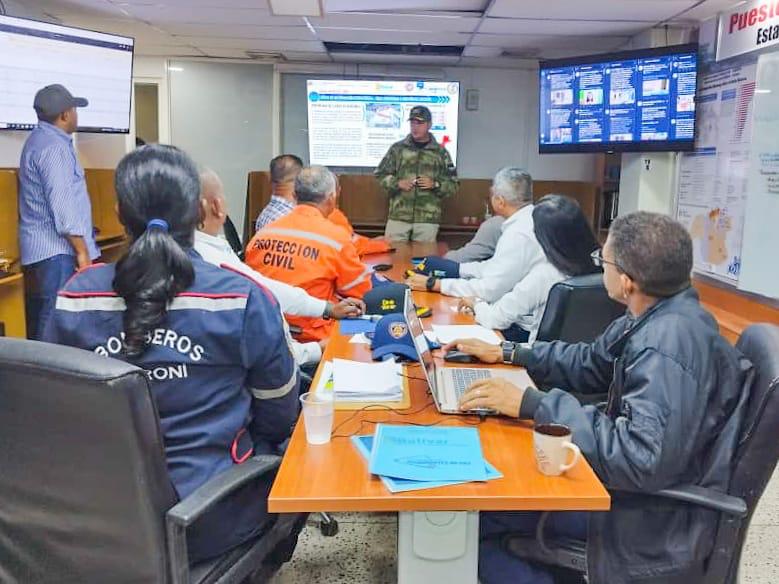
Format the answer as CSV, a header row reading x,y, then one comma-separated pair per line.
x,y
438,527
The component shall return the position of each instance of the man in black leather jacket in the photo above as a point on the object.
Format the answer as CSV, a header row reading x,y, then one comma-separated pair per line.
x,y
676,395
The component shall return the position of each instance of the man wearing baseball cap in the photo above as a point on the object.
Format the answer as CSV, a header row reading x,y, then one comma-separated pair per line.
x,y
55,216
417,173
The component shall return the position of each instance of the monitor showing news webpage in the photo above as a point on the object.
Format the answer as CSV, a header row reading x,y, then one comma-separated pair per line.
x,y
637,100
94,65
353,123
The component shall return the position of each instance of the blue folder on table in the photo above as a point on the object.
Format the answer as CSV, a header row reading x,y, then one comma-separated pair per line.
x,y
427,453
364,445
355,326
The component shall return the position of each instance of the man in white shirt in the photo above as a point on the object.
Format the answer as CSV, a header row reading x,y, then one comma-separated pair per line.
x,y
515,255
292,300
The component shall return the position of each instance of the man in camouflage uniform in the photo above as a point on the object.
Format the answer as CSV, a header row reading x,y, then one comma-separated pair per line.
x,y
417,173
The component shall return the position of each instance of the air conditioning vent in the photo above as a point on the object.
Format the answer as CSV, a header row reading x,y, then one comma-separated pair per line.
x,y
265,56
521,53
387,49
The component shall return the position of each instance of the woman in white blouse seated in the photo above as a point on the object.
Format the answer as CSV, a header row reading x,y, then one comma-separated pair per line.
x,y
567,241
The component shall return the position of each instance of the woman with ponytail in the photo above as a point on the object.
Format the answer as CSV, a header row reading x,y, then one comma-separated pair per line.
x,y
210,340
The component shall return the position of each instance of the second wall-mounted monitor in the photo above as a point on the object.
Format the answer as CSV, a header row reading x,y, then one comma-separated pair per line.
x,y
354,122
94,65
630,101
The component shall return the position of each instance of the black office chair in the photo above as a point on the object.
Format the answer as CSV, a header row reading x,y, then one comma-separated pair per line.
x,y
753,465
84,488
578,310
231,234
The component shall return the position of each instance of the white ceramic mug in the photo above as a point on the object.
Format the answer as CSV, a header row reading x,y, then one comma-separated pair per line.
x,y
552,442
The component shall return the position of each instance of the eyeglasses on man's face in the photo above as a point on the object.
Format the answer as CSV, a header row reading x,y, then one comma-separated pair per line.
x,y
599,261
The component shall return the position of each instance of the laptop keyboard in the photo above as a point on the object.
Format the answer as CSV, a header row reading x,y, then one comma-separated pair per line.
x,y
462,378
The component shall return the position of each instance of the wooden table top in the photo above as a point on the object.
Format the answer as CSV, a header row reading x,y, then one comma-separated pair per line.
x,y
334,476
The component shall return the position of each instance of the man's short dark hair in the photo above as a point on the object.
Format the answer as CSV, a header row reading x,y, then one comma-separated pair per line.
x,y
284,168
654,250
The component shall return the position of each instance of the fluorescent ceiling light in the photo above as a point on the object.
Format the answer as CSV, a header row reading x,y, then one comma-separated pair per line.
x,y
296,7
175,69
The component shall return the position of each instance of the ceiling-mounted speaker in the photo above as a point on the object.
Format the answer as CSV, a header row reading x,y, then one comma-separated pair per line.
x,y
472,99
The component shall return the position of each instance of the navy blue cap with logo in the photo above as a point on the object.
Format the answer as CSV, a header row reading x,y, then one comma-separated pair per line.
x,y
438,267
385,299
392,339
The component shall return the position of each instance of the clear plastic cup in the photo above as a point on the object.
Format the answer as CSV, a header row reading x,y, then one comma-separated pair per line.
x,y
318,417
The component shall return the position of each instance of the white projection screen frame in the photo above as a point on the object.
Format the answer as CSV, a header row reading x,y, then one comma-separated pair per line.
x,y
94,65
354,122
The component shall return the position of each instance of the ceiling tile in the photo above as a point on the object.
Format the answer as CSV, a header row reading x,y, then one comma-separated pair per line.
x,y
562,27
140,31
396,5
345,35
296,7
534,41
66,8
471,51
227,4
431,22
209,15
167,51
655,10
298,33
498,62
707,10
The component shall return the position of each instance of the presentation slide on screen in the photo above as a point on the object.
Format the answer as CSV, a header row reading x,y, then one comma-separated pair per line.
x,y
638,100
93,65
353,123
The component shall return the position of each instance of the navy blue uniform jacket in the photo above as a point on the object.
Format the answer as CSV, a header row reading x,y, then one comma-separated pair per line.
x,y
222,374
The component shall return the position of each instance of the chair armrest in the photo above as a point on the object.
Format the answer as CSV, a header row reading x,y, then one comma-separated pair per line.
x,y
708,498
186,512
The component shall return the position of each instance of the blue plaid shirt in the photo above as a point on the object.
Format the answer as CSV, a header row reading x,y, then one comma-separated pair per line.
x,y
53,199
276,208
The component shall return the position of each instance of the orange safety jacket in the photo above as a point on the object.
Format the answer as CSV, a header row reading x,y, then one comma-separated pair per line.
x,y
304,249
364,245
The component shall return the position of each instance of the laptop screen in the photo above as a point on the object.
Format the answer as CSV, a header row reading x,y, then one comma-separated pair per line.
x,y
420,340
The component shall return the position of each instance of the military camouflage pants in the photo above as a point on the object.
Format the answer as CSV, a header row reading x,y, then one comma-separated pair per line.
x,y
402,231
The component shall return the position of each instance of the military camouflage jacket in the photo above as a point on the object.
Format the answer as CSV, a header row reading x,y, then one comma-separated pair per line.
x,y
405,161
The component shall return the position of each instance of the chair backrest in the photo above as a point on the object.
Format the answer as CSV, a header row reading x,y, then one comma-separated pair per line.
x,y
231,234
758,449
578,310
83,482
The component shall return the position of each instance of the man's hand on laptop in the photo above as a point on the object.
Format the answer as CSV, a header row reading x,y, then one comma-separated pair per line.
x,y
484,352
496,394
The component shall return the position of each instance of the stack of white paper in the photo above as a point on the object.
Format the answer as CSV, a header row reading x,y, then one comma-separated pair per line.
x,y
447,333
367,382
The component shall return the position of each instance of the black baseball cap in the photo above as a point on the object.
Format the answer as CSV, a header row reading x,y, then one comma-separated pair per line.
x,y
52,100
420,113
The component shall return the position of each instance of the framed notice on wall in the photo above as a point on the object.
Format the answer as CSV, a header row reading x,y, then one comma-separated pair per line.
x,y
713,180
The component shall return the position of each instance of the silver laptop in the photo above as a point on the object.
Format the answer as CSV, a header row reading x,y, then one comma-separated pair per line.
x,y
448,384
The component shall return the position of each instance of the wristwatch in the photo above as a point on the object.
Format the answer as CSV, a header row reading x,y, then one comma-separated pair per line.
x,y
430,283
508,352
328,313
